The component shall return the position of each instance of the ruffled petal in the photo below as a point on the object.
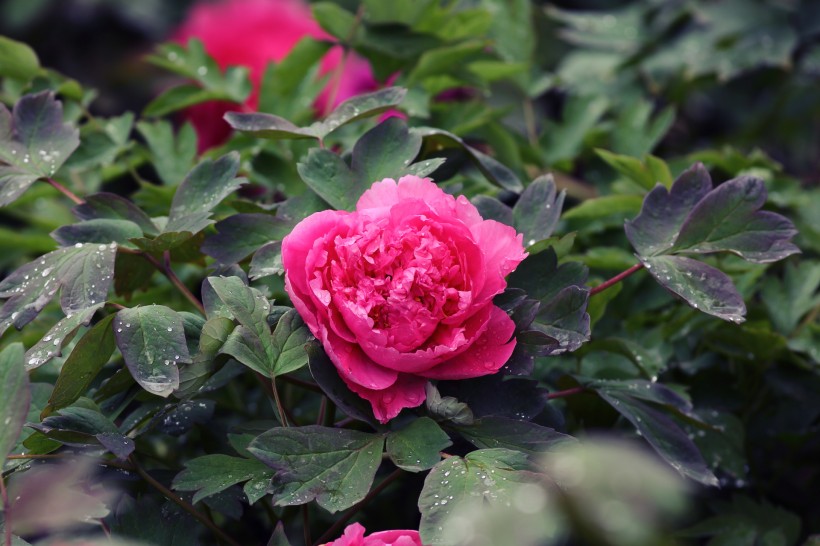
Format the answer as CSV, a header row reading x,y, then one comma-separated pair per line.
x,y
353,365
407,392
503,251
485,356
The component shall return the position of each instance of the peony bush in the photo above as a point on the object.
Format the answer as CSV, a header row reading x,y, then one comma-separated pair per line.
x,y
521,294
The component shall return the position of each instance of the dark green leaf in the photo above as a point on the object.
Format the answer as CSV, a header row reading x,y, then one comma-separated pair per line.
x,y
267,261
101,230
701,286
360,106
540,276
416,447
329,176
663,434
327,377
334,466
491,208
83,272
513,397
494,171
111,206
788,300
203,188
447,408
279,538
15,397
152,342
164,241
385,151
537,211
211,474
269,126
51,345
461,484
34,142
514,434
240,235
289,338
334,19
83,364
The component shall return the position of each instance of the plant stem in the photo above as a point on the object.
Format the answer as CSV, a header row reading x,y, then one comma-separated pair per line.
x,y
6,507
529,121
65,191
171,496
300,383
336,527
306,524
568,392
616,279
279,407
166,270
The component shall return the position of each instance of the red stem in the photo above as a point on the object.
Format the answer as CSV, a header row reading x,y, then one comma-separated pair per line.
x,y
616,279
65,191
564,394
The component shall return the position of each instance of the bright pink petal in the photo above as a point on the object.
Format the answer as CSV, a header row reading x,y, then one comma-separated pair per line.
x,y
397,537
407,392
485,356
503,251
353,536
353,365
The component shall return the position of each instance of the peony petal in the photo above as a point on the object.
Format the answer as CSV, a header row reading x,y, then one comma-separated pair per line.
x,y
503,251
396,537
353,365
407,392
485,356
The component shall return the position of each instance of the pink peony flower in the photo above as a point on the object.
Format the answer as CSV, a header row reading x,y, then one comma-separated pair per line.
x,y
252,33
354,536
400,291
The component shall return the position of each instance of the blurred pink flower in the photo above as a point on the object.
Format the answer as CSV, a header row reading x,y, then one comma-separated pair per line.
x,y
354,536
252,33
401,290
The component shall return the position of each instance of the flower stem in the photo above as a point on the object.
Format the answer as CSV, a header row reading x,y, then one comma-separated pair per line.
x,y
165,269
171,496
337,526
279,407
616,279
65,191
565,393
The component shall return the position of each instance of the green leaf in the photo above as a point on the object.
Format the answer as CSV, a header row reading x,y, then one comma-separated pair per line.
x,y
492,170
269,126
635,133
447,408
203,188
110,206
83,272
384,152
537,211
565,140
787,300
178,98
663,434
442,60
329,176
279,538
51,345
289,338
210,474
240,235
701,286
15,397
416,447
646,173
289,88
648,362
101,230
513,434
34,142
152,342
82,366
334,19
172,156
600,213
462,484
267,261
333,466
17,60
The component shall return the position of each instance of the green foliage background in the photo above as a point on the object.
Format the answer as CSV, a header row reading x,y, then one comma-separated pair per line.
x,y
608,98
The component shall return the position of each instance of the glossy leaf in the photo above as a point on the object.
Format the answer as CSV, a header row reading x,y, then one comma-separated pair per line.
x,y
416,447
513,434
461,484
210,474
82,366
537,211
333,466
82,272
110,206
240,235
152,342
34,142
267,261
663,434
101,230
15,397
50,346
